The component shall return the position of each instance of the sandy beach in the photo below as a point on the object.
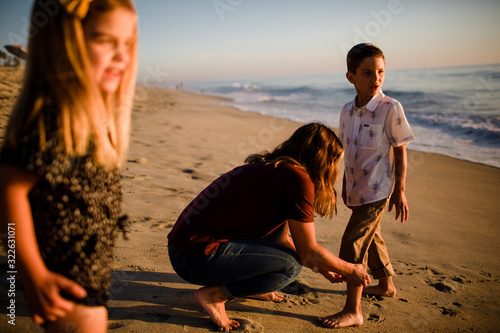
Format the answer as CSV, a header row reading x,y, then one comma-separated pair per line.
x,y
446,257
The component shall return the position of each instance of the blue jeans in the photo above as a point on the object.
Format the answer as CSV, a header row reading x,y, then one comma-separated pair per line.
x,y
240,268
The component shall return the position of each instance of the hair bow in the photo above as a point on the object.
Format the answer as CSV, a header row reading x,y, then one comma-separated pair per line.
x,y
78,8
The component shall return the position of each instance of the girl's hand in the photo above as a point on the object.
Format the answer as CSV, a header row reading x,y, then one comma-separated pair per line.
x,y
44,298
358,276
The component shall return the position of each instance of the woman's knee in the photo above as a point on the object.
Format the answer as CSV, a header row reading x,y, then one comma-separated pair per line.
x,y
294,266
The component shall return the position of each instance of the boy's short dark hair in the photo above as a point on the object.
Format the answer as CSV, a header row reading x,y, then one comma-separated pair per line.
x,y
359,52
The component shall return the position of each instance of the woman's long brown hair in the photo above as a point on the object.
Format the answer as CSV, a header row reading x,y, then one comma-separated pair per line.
x,y
315,148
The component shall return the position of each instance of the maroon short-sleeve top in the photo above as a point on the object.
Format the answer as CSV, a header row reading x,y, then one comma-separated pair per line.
x,y
248,202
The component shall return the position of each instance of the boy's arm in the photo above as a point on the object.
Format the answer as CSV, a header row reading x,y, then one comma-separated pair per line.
x,y
344,191
398,197
42,286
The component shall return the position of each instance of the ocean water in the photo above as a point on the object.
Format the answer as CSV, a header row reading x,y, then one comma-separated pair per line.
x,y
453,111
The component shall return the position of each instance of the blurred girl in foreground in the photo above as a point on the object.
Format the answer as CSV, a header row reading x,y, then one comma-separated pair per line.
x,y
66,140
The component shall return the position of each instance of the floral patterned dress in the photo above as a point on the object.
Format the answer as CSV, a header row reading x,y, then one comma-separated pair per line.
x,y
76,207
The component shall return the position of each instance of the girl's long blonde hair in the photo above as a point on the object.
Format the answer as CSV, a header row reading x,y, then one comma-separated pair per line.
x,y
316,149
58,81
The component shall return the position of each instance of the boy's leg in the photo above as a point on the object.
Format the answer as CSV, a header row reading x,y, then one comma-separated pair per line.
x,y
83,319
360,232
351,315
385,287
381,268
356,241
378,257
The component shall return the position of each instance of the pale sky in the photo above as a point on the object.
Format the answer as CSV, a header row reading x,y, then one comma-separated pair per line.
x,y
209,40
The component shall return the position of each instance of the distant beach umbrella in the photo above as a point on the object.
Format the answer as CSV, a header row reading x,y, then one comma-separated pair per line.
x,y
17,50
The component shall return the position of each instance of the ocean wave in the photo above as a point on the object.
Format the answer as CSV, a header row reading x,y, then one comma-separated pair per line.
x,y
415,98
482,130
489,75
286,98
286,91
243,86
454,111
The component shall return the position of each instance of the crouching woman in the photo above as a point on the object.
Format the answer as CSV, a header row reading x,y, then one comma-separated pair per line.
x,y
250,232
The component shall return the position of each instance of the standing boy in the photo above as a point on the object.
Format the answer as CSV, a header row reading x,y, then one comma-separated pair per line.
x,y
374,132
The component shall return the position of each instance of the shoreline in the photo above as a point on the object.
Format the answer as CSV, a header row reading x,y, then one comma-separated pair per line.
x,y
6,105
429,139
445,256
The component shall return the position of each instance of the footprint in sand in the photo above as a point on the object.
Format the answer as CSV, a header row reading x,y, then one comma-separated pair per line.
x,y
373,298
375,318
247,326
140,160
449,312
198,175
461,279
191,172
441,282
163,224
306,294
440,286
405,268
112,325
205,158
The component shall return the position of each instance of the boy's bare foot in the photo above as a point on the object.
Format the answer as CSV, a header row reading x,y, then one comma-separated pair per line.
x,y
271,297
213,300
380,291
342,319
385,288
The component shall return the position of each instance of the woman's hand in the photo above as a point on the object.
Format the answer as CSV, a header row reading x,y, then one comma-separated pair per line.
x,y
44,296
358,276
319,259
332,277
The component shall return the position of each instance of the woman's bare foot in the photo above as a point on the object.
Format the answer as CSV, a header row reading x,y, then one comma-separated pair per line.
x,y
213,301
342,319
271,297
385,288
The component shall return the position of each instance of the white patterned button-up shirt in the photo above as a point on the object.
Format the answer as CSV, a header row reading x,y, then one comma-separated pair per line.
x,y
368,134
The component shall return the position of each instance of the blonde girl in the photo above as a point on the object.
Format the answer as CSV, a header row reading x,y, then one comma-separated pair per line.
x,y
59,165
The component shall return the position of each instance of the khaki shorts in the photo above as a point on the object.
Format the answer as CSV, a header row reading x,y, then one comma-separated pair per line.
x,y
362,242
